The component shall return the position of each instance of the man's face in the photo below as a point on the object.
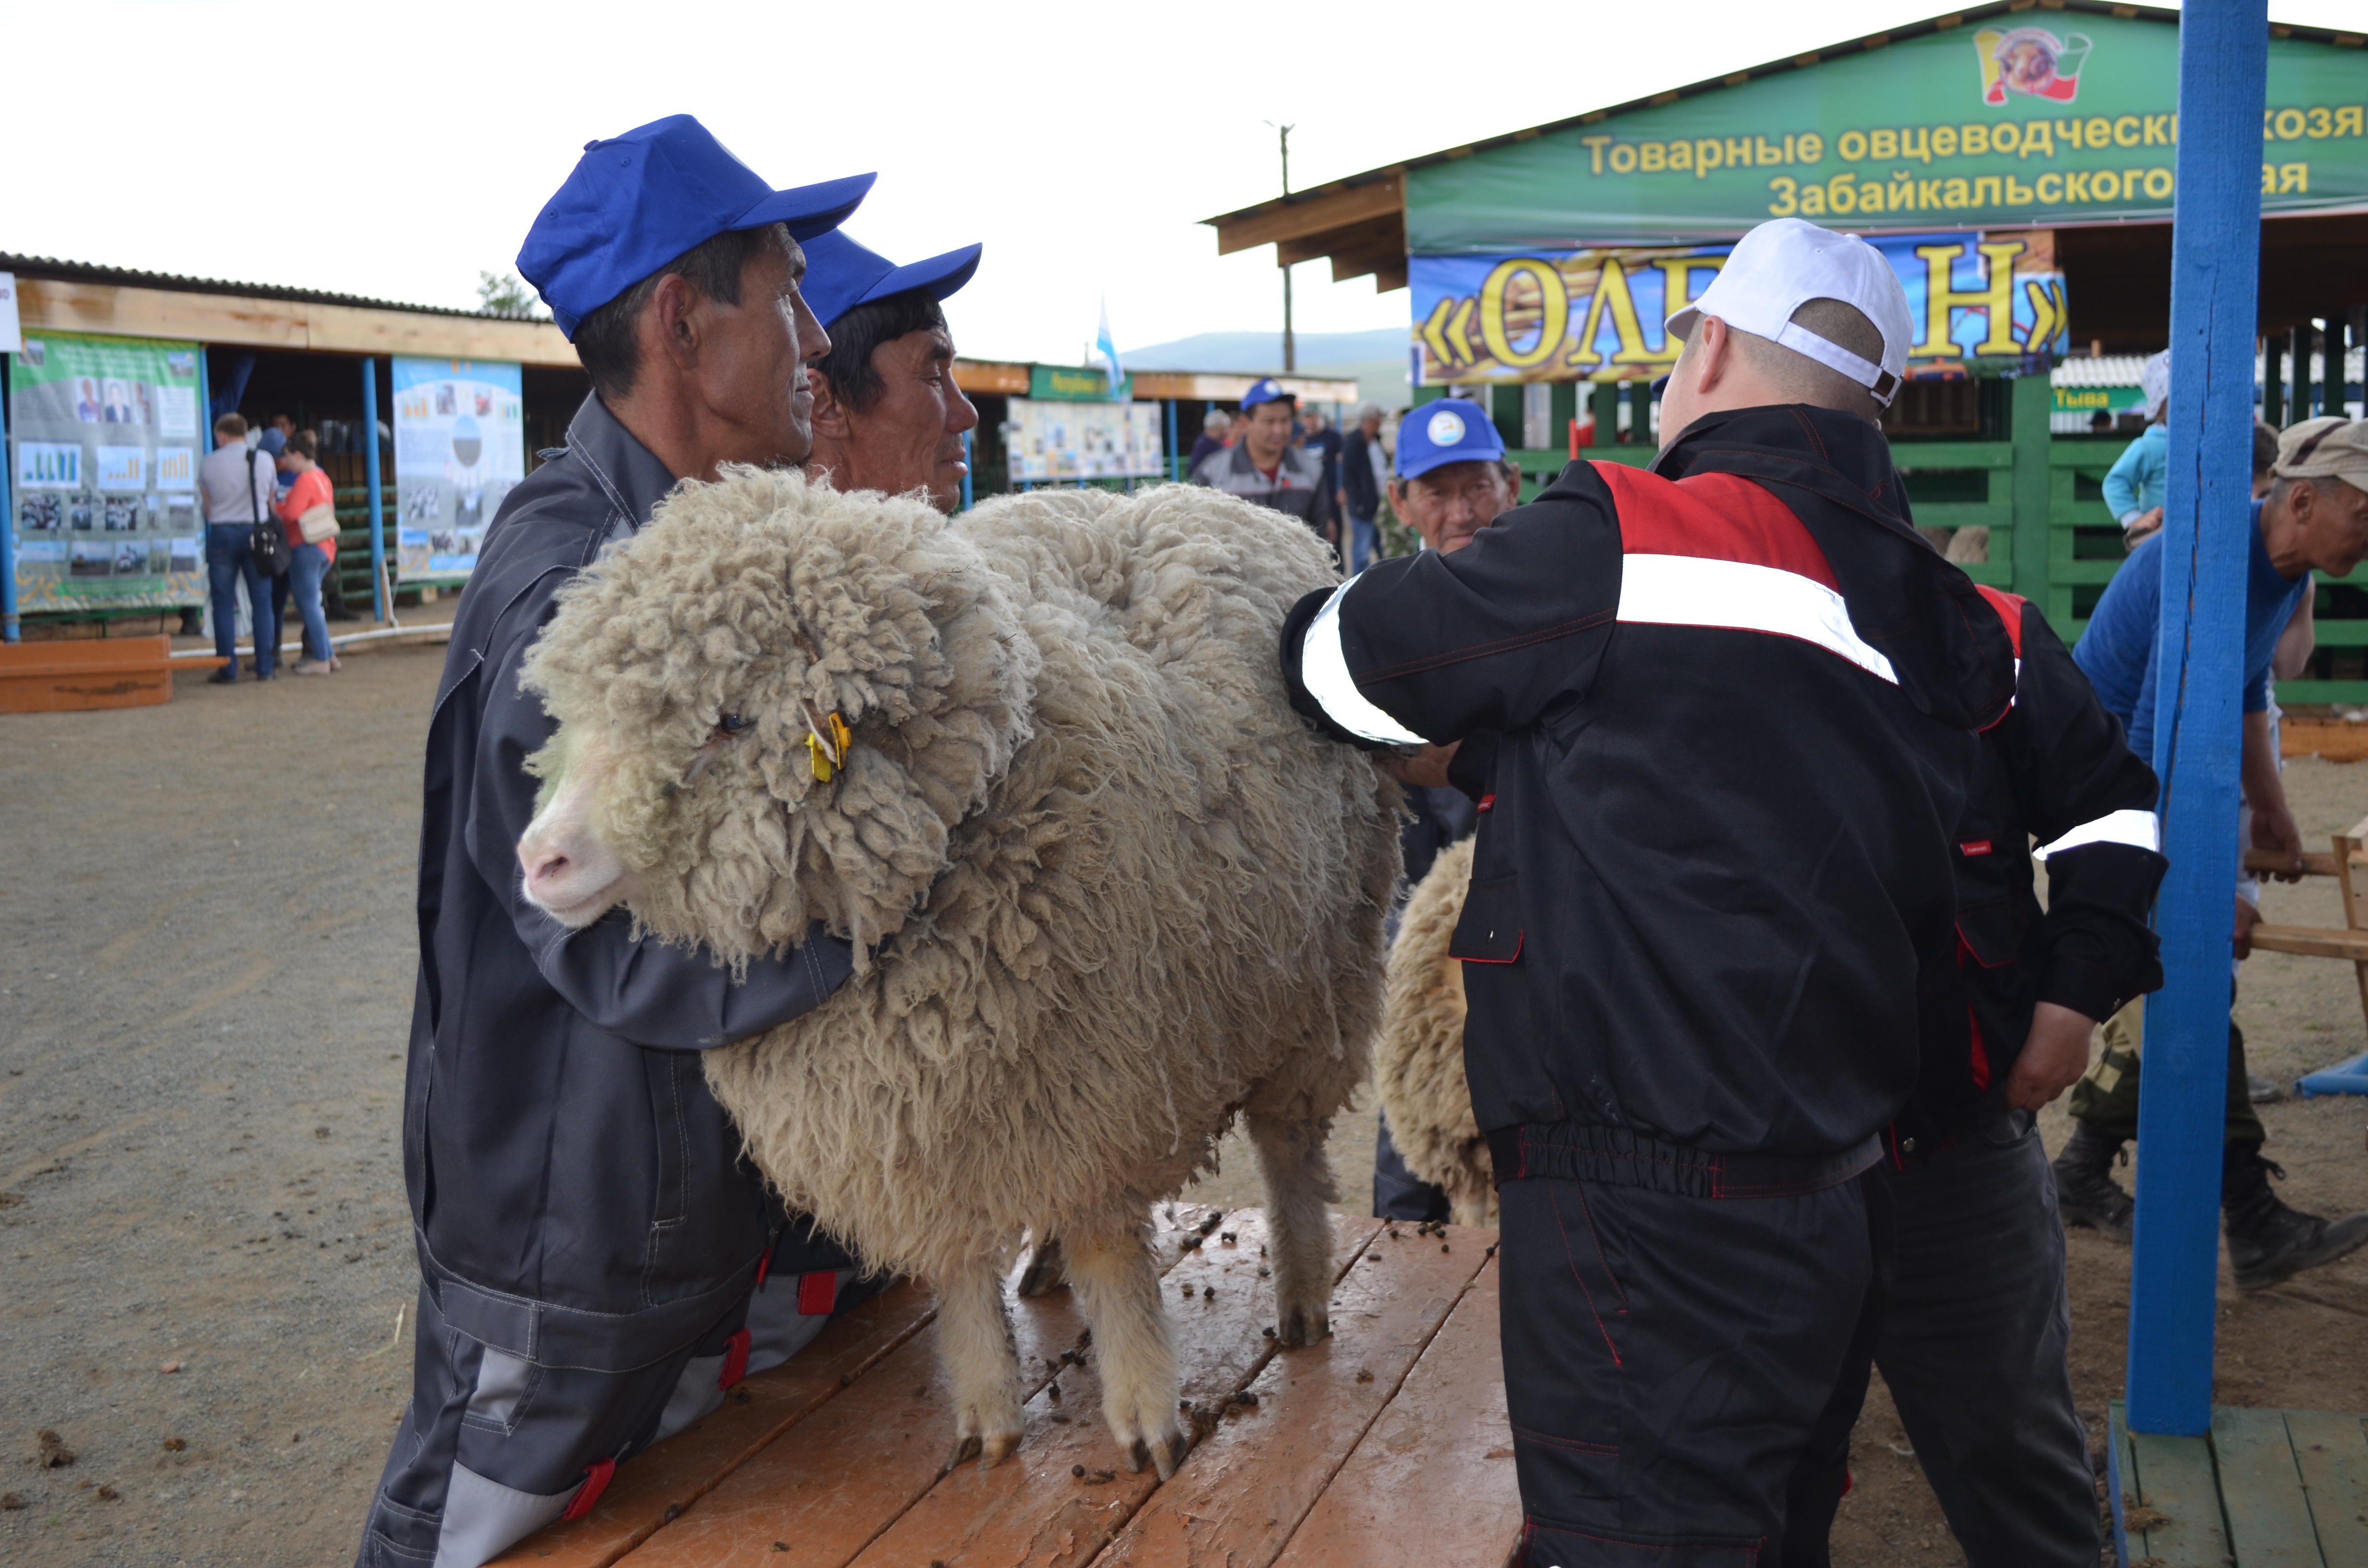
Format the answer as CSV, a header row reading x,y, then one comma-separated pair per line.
x,y
1371,426
1452,502
754,356
911,437
2334,516
1266,429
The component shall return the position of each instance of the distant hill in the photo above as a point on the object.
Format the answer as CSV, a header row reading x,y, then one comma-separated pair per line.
x,y
1376,360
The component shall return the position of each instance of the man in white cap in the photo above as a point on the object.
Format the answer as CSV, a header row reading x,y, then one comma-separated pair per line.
x,y
1711,910
2137,484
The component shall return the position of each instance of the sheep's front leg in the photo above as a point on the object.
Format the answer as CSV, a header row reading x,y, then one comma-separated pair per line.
x,y
981,1362
1118,1285
1042,1270
1298,1178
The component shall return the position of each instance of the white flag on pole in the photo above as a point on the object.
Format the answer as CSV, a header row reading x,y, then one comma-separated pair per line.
x,y
1106,350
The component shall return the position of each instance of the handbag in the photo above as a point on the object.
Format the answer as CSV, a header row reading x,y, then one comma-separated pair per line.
x,y
267,540
317,523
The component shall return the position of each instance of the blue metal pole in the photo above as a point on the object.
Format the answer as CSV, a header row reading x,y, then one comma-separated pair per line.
x,y
379,607
8,629
1175,453
967,460
2214,302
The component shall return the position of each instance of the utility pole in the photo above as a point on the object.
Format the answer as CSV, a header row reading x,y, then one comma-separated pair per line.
x,y
1290,348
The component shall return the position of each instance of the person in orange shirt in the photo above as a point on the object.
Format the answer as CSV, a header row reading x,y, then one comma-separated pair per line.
x,y
307,563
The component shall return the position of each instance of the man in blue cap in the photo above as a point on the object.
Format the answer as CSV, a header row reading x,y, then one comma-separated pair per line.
x,y
887,414
1263,466
593,1251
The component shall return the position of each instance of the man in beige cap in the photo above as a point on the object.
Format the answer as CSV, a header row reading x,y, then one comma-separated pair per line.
x,y
2314,518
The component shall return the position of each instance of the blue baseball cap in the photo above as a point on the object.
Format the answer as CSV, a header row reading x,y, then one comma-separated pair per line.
x,y
1265,390
1451,430
841,275
634,202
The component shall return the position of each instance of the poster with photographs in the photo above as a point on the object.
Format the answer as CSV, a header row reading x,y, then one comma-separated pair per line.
x,y
103,478
1052,440
460,444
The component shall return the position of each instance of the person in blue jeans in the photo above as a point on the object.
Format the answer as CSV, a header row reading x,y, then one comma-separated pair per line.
x,y
308,564
238,485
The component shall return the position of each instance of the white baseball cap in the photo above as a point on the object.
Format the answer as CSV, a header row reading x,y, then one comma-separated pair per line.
x,y
1783,264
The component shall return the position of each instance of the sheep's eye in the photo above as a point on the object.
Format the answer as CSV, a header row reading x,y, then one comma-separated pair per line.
x,y
732,723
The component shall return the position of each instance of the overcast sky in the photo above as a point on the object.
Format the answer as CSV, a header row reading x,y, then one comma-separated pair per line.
x,y
394,151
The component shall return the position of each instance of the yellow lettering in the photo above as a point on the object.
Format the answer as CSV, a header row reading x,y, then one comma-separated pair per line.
x,y
2039,140
1623,158
1682,156
2051,193
2153,193
1812,146
2322,124
2106,184
1786,202
1996,296
2069,130
2268,180
2294,178
2131,179
1989,183
2347,118
1928,194
1944,141
1883,145
1612,296
2157,131
1595,146
2100,131
2267,135
1766,153
1952,195
1973,139
2004,138
1789,149
2047,319
1841,193
1852,147
1709,155
1915,142
2126,131
2289,125
2019,193
1738,152
1553,309
1813,200
1442,332
2075,186
1652,156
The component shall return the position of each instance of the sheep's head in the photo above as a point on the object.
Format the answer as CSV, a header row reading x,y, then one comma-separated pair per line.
x,y
760,633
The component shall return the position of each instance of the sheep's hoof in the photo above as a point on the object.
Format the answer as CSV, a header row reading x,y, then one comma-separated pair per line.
x,y
1301,1328
996,1448
1138,1454
1046,1270
966,1448
1170,1453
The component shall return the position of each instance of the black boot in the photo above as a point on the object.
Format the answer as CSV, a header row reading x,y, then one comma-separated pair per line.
x,y
2085,1192
2267,1241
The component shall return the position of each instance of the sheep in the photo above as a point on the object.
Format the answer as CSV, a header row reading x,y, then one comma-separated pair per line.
x,y
1106,891
1419,1059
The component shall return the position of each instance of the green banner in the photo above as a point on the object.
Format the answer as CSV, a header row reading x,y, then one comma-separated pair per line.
x,y
1058,384
2070,119
103,441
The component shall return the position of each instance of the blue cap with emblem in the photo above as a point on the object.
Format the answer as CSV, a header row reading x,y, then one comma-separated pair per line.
x,y
1266,390
634,202
1451,430
841,275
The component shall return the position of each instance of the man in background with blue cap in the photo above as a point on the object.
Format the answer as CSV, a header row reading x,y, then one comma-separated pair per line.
x,y
1263,466
593,1250
887,414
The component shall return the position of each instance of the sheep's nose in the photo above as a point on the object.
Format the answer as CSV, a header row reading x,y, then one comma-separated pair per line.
x,y
545,865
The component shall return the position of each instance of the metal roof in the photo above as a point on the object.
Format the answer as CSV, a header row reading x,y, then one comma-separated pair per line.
x,y
51,268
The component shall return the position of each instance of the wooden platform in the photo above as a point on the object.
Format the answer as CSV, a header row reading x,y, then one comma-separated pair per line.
x,y
1386,1447
68,676
2266,1489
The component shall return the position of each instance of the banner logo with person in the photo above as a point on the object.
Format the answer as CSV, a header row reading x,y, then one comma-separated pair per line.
x,y
2031,61
460,445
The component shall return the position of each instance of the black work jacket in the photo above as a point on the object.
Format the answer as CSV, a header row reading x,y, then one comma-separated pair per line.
x,y
2055,766
573,1181
1712,904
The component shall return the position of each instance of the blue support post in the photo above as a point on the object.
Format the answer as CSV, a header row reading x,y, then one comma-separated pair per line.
x,y
2214,301
380,611
8,629
967,460
1175,453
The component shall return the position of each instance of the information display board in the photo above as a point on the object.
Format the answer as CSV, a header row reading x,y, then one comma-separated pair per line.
x,y
460,444
1083,441
1601,315
103,441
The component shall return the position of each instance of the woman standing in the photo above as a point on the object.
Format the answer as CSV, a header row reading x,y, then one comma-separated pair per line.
x,y
308,562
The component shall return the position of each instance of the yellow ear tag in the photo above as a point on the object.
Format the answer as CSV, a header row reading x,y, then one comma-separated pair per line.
x,y
828,754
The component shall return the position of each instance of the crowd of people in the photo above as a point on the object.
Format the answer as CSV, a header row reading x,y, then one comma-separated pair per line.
x,y
1761,997
271,524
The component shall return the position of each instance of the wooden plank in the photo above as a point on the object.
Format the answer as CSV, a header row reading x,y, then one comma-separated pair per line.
x,y
1036,1509
78,674
2331,1453
1292,216
361,329
2313,863
2260,1491
836,1479
2171,1501
667,1481
2312,941
1247,1489
1433,1480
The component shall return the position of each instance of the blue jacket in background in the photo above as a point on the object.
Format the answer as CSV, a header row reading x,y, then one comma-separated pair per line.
x,y
2117,651
2139,479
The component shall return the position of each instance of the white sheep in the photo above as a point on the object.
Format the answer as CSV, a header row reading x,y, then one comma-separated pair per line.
x,y
1108,891
1419,1059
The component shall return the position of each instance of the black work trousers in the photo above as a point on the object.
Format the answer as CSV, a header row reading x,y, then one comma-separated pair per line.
x,y
1669,1358
1972,1344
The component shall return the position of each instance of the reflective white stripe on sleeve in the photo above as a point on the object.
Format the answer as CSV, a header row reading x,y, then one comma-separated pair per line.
x,y
1323,667
1695,590
2137,828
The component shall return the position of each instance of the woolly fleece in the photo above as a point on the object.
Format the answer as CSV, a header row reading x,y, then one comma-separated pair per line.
x,y
1418,1061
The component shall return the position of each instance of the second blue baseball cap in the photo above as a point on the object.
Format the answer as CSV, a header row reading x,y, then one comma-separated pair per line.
x,y
841,275
1265,390
634,202
1451,430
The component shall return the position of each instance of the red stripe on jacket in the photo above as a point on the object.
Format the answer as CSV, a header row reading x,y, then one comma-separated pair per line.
x,y
1718,516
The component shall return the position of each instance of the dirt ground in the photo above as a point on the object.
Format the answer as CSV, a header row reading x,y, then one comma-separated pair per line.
x,y
206,967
